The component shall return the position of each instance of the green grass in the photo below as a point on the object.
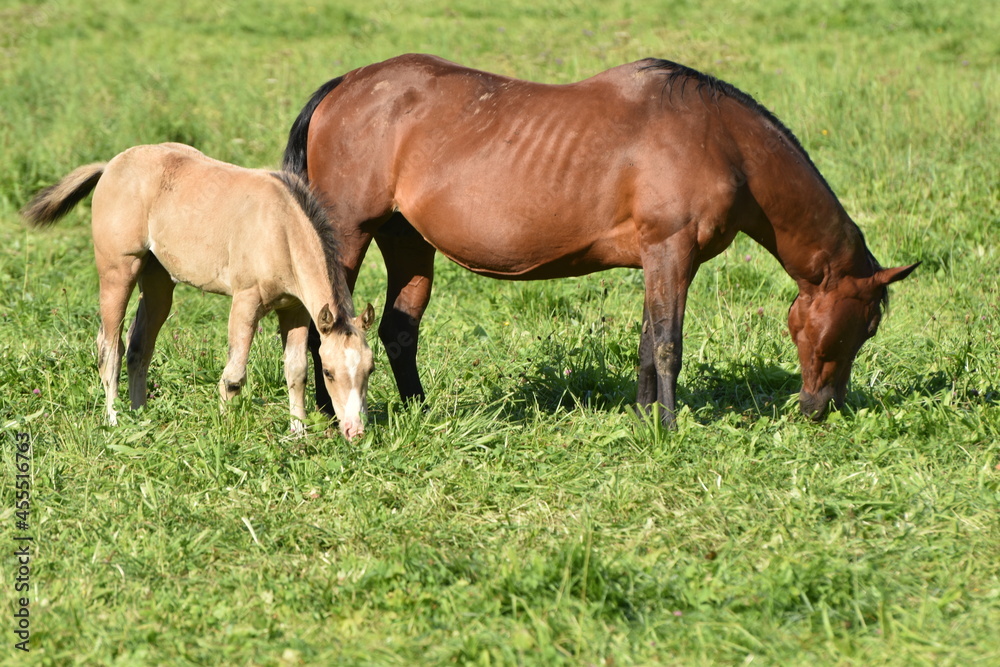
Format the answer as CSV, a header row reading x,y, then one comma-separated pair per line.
x,y
525,517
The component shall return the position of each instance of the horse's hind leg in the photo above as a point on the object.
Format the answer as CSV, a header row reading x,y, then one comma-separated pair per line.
x,y
409,263
117,278
294,326
157,294
244,315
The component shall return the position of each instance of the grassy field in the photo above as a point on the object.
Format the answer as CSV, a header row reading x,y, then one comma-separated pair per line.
x,y
525,517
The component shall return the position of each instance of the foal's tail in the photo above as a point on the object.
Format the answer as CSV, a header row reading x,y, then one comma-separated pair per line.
x,y
57,200
295,159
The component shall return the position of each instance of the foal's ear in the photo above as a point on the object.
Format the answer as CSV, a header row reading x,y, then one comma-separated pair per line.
x,y
325,321
367,318
888,276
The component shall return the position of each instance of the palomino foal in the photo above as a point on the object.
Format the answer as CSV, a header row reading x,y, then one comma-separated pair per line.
x,y
167,213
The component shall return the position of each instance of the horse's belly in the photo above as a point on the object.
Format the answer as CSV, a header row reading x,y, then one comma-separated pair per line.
x,y
533,249
207,274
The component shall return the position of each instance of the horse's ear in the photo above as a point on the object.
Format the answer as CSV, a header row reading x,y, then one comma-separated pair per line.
x,y
888,276
367,318
325,321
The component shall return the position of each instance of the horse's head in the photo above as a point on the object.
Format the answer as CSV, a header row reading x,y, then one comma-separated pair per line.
x,y
347,363
828,327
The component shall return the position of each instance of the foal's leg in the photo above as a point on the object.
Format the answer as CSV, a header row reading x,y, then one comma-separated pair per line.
x,y
669,269
244,315
117,277
409,263
294,326
157,290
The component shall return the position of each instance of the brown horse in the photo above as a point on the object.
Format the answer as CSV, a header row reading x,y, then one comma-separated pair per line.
x,y
165,214
650,164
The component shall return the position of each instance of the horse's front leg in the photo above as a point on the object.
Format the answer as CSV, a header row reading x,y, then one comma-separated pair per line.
x,y
647,384
294,326
244,315
409,264
669,270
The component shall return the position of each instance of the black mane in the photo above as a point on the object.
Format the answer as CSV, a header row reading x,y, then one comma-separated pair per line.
x,y
680,75
316,212
676,74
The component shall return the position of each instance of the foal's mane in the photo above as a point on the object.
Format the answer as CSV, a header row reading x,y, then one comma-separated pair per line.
x,y
676,74
316,213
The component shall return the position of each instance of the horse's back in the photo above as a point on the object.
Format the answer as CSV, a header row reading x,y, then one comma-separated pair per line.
x,y
509,178
481,164
194,213
160,178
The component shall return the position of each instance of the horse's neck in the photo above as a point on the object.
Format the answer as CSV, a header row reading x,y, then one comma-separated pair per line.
x,y
803,224
309,273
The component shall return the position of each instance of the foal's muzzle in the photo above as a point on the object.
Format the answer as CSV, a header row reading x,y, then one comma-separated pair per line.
x,y
352,428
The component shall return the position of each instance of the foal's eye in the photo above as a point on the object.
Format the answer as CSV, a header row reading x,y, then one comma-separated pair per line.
x,y
328,374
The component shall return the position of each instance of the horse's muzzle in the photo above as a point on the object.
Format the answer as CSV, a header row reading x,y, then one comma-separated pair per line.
x,y
352,428
816,406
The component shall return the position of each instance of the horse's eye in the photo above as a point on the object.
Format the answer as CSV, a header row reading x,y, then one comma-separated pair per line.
x,y
328,374
873,325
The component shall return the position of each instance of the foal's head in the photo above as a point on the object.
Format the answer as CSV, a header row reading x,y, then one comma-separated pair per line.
x,y
828,328
347,363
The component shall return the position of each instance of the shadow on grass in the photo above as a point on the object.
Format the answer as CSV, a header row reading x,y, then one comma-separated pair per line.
x,y
604,380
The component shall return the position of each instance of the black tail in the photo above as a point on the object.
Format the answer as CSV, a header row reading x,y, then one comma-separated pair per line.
x,y
295,159
57,200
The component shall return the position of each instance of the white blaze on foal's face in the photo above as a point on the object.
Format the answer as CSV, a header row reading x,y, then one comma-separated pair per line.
x,y
347,363
352,361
